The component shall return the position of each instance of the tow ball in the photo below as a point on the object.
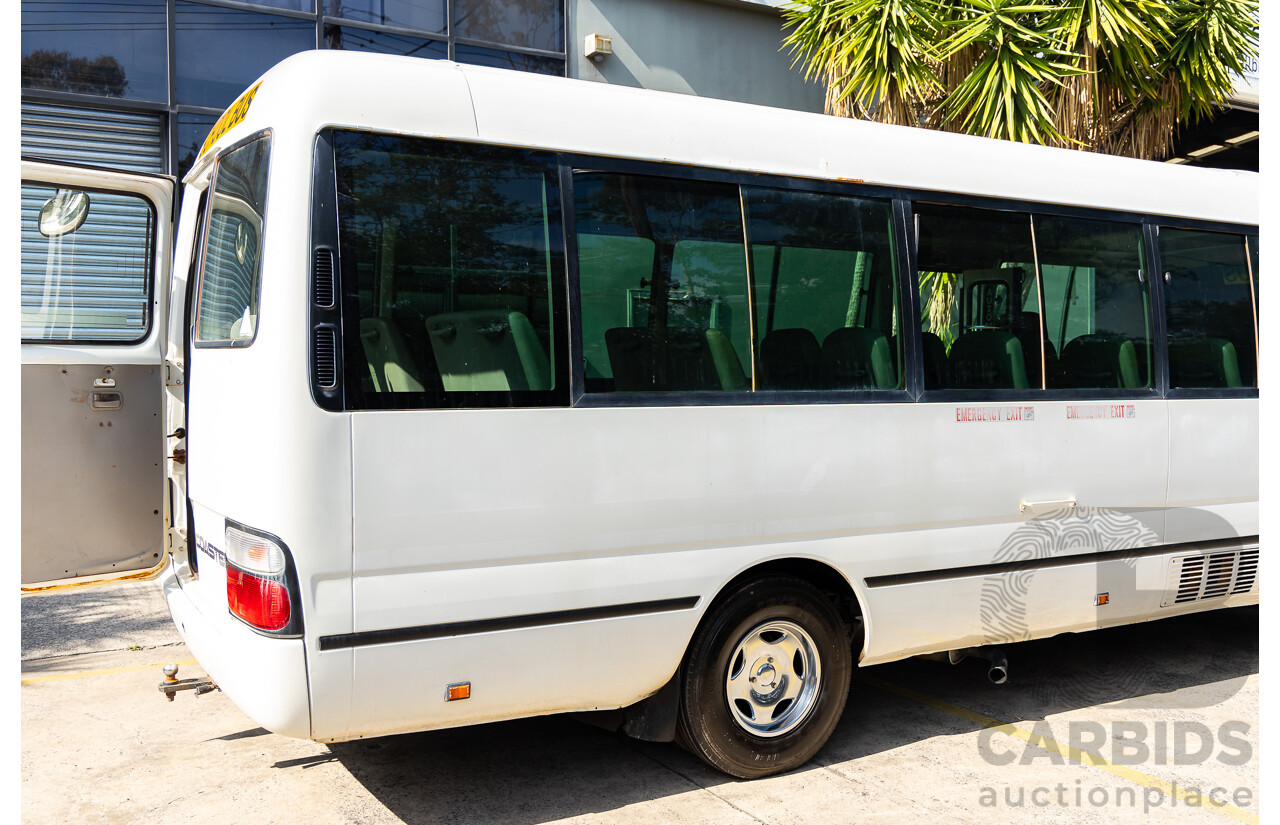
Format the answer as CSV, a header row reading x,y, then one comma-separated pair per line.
x,y
172,684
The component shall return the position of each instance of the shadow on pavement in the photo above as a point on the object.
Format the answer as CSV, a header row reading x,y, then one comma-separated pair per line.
x,y
557,767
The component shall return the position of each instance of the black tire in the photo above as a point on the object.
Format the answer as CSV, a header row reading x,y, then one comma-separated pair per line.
x,y
756,735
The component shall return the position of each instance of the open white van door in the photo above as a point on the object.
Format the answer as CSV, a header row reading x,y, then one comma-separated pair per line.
x,y
96,252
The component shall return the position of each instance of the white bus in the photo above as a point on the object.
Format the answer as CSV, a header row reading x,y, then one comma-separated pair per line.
x,y
483,395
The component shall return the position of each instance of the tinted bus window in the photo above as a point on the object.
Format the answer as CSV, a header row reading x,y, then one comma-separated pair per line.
x,y
227,312
1209,309
979,301
663,278
1097,311
825,291
448,256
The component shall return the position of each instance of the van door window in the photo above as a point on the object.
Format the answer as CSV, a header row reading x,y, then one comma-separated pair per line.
x,y
86,265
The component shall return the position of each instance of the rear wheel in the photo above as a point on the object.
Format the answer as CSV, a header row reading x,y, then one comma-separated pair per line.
x,y
766,678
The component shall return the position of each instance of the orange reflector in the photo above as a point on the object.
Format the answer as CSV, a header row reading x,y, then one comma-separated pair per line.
x,y
1103,598
461,690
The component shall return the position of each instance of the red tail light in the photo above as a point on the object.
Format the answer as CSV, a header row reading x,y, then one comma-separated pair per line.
x,y
261,602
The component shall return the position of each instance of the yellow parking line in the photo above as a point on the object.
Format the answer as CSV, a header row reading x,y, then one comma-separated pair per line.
x,y
84,674
1081,757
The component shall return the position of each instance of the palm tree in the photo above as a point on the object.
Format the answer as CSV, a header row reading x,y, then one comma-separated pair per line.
x,y
1115,76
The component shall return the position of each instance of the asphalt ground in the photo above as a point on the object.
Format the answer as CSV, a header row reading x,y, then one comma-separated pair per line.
x,y
1151,723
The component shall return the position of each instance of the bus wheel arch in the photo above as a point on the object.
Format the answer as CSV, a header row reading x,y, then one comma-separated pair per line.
x,y
768,670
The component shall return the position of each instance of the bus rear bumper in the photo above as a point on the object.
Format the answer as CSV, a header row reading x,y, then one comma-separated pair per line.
x,y
265,677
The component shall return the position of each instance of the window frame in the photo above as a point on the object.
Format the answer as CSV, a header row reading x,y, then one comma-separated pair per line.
x,y
901,201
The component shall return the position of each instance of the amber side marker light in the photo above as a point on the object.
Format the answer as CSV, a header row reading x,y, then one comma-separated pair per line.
x,y
1103,598
462,690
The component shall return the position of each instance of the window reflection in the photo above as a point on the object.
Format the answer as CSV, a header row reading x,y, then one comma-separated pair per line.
x,y
979,300
192,130
427,15
825,290
509,60
114,49
364,40
534,24
663,276
1208,307
289,5
1097,315
223,50
449,255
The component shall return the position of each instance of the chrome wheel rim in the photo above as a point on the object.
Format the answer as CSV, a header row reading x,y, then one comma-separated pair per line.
x,y
773,679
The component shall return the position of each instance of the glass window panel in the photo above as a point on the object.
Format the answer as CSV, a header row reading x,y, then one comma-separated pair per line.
x,y
92,283
426,15
533,24
450,256
112,49
192,131
364,40
663,278
221,51
1096,303
509,60
1209,309
979,300
227,307
825,289
289,5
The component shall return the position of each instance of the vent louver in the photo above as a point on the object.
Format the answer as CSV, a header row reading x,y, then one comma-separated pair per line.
x,y
326,359
323,277
1211,576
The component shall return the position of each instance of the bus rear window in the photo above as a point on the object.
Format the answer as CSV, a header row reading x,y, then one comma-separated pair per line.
x,y
227,312
449,259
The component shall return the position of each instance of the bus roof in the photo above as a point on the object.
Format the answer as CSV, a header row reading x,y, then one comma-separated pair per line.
x,y
313,90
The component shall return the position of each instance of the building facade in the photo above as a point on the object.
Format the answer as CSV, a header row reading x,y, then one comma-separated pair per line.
x,y
138,84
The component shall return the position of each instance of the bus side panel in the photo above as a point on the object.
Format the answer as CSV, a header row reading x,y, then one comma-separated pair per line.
x,y
1031,605
1213,478
477,515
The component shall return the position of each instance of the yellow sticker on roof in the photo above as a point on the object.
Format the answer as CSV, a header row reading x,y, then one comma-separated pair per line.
x,y
230,118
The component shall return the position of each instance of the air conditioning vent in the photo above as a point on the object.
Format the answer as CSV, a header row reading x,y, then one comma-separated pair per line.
x,y
326,359
1191,578
1211,576
1247,574
323,276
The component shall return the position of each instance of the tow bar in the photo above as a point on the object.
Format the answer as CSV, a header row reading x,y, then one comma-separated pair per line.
x,y
172,684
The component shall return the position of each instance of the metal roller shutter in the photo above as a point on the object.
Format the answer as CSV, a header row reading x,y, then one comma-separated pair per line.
x,y
119,140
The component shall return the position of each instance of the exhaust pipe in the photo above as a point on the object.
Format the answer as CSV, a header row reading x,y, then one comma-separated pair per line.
x,y
997,672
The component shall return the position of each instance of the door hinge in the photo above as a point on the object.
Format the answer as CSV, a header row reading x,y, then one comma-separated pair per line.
x,y
172,375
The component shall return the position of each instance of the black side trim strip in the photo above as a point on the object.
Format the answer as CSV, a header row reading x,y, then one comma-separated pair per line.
x,y
440,631
1056,561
